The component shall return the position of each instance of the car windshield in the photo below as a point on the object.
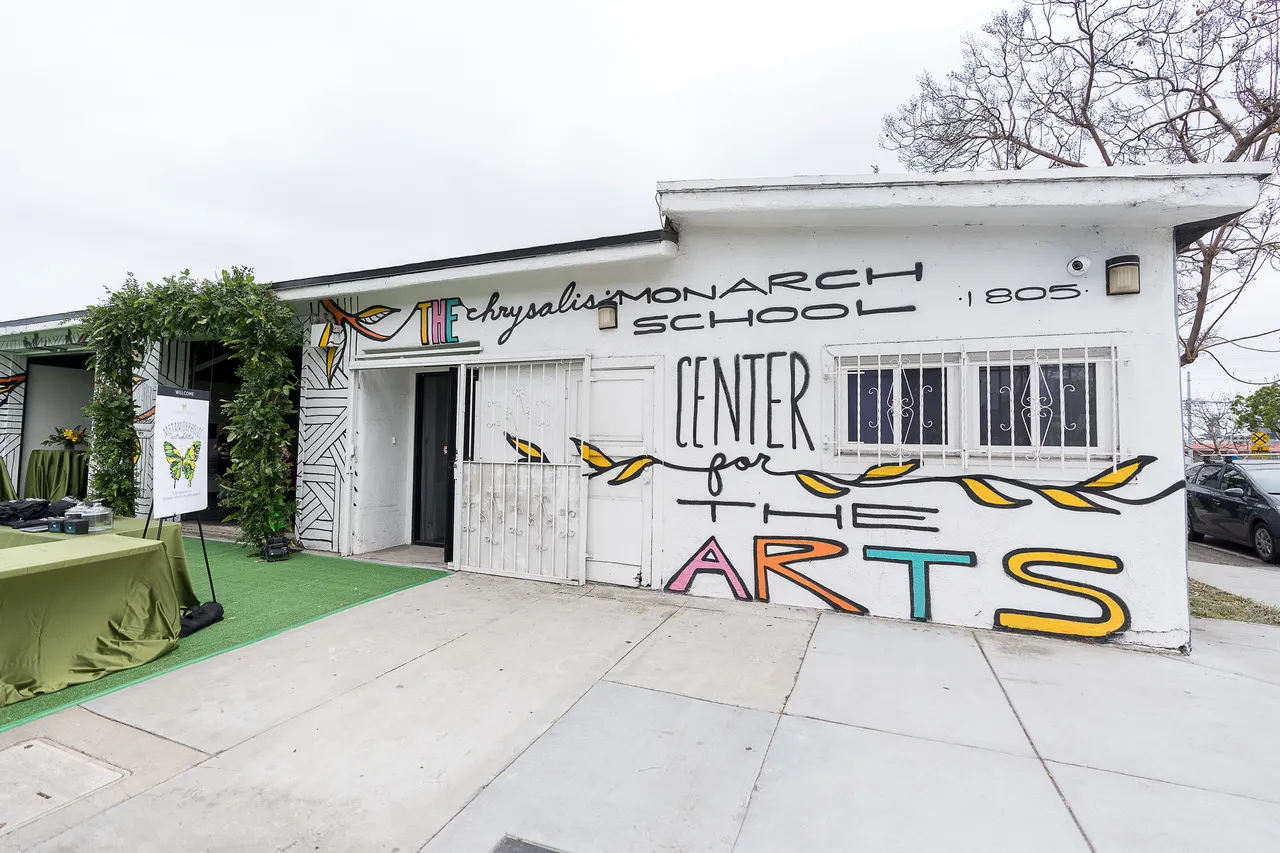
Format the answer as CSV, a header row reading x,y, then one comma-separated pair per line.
x,y
1267,479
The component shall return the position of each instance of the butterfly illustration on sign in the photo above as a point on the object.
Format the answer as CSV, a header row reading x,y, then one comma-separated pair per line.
x,y
182,464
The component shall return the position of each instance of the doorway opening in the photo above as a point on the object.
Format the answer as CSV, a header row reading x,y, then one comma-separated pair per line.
x,y
435,428
211,366
58,387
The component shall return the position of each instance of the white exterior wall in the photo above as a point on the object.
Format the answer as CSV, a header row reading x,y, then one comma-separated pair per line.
x,y
1142,545
382,500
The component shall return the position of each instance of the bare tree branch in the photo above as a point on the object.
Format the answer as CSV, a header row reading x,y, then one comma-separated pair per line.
x,y
1071,83
1232,375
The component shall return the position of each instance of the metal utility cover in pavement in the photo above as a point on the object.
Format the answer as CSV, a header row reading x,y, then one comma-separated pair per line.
x,y
40,776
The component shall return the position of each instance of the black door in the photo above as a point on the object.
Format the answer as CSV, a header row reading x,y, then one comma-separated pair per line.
x,y
1234,507
1202,499
433,466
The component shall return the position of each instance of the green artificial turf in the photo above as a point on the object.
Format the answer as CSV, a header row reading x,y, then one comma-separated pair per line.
x,y
260,598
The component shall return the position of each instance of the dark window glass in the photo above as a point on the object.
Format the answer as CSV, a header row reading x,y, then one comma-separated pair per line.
x,y
1062,400
1004,393
870,418
1067,416
1233,479
1267,479
923,406
1207,475
916,395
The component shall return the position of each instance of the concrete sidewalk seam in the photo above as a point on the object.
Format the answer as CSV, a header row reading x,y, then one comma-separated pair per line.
x,y
879,731
755,783
631,650
111,719
1043,764
794,681
1235,674
1239,796
540,735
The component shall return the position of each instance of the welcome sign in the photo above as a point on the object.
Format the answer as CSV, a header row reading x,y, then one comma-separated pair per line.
x,y
180,450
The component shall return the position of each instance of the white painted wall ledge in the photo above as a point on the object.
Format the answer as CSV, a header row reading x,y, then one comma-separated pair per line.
x,y
1132,197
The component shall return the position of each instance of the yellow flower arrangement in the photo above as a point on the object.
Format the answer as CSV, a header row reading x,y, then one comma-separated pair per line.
x,y
69,437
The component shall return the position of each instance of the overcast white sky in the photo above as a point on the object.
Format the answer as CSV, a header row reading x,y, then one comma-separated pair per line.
x,y
311,138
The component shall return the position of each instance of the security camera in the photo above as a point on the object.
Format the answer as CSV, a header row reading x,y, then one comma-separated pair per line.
x,y
1079,266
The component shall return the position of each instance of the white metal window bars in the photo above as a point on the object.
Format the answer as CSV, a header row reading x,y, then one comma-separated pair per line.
x,y
521,482
1016,407
899,406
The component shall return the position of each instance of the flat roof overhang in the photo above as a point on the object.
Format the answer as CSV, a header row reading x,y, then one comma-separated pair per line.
x,y
638,247
1188,200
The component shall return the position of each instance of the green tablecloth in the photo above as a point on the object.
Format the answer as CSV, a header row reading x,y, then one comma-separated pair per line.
x,y
170,535
6,485
73,611
54,474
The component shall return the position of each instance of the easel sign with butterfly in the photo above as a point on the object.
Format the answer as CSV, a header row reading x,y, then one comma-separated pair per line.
x,y
180,475
180,470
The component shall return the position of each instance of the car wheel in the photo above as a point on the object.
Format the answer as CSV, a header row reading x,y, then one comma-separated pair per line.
x,y
1264,544
1193,535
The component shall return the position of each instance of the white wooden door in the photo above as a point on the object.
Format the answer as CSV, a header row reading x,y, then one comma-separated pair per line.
x,y
520,476
620,518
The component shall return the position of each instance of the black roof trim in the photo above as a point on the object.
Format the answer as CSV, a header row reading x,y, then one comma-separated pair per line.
x,y
637,238
1186,234
44,318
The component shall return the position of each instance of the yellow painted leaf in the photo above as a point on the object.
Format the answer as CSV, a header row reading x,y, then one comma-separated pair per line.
x,y
821,487
375,313
981,492
890,471
593,456
632,470
330,354
1123,473
326,334
1070,500
528,451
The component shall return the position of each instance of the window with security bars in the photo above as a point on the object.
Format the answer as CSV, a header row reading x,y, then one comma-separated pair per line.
x,y
1009,406
895,401
1038,405
899,405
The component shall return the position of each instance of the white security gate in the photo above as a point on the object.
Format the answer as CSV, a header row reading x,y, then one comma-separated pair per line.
x,y
523,497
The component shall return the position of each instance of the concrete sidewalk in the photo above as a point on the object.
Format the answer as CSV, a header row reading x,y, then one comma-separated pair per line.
x,y
1257,580
602,720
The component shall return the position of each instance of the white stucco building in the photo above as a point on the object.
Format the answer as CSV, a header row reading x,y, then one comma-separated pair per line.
x,y
912,397
951,398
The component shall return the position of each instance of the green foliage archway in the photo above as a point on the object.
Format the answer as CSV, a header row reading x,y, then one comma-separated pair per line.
x,y
258,328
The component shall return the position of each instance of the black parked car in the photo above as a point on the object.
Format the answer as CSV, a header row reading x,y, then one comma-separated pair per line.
x,y
1236,501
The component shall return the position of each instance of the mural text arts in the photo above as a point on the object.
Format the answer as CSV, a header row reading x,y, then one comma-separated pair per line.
x,y
770,533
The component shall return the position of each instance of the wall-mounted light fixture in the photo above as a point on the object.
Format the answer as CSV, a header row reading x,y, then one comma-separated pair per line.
x,y
607,314
1122,275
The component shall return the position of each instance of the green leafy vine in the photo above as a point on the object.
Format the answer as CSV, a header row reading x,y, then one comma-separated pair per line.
x,y
258,328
